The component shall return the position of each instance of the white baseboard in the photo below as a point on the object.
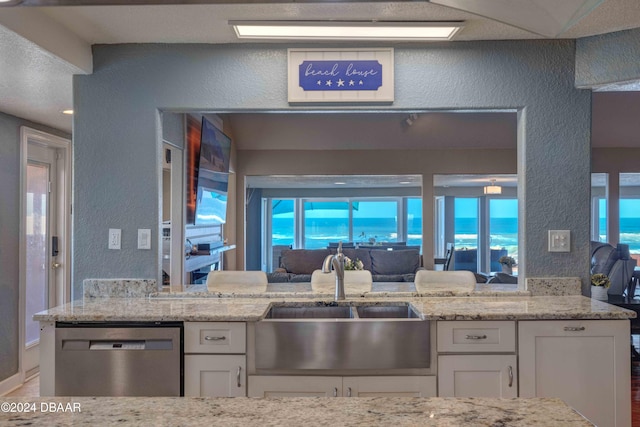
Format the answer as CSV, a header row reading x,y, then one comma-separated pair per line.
x,y
10,384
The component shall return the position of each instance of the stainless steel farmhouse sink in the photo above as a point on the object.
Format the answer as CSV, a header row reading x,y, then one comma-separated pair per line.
x,y
342,337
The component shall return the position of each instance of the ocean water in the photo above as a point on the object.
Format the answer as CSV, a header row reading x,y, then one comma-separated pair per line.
x,y
629,233
320,231
503,232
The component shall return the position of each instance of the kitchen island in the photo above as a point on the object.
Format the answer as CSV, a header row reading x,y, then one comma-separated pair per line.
x,y
246,412
545,346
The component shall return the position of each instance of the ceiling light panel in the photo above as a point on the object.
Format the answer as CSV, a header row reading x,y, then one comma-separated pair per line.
x,y
330,30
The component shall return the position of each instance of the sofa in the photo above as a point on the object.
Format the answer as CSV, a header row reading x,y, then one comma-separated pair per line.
x,y
400,265
615,262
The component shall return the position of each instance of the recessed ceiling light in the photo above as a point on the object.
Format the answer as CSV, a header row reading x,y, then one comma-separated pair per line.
x,y
405,182
68,112
343,30
340,183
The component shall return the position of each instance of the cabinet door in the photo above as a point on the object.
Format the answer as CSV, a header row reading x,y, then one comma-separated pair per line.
x,y
585,363
401,386
215,375
294,386
478,376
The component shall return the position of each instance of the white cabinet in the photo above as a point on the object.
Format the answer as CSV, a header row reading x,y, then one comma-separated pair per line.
x,y
294,386
215,362
337,386
464,367
208,375
477,376
585,363
389,386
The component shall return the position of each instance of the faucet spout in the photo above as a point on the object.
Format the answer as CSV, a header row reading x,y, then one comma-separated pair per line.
x,y
337,262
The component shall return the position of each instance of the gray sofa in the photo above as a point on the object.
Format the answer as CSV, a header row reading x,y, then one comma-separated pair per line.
x,y
399,265
615,262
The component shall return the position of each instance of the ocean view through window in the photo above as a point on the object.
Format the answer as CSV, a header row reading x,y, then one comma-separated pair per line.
x,y
330,220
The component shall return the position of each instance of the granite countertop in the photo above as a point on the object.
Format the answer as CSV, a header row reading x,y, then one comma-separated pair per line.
x,y
176,411
254,309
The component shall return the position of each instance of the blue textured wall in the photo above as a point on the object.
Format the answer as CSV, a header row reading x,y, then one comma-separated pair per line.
x,y
117,128
608,58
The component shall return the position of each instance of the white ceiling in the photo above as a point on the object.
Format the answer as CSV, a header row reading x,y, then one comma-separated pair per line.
x,y
42,47
377,181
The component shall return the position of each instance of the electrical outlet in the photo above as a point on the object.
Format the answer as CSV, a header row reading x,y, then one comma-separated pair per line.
x,y
559,241
115,235
144,238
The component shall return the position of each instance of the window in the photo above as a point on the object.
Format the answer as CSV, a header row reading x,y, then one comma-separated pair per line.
x,y
414,221
503,230
466,223
630,211
282,222
599,183
375,220
325,222
317,223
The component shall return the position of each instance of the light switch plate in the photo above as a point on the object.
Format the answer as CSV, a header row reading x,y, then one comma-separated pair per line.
x,y
144,238
115,235
559,241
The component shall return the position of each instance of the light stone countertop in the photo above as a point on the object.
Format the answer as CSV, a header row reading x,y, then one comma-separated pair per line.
x,y
242,411
254,309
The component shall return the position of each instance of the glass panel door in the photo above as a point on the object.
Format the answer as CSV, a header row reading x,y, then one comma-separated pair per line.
x,y
466,234
414,221
37,259
503,231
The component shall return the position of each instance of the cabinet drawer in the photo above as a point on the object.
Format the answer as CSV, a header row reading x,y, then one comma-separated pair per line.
x,y
215,337
476,337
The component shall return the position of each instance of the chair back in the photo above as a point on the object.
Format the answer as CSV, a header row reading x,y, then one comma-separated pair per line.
x,y
237,281
445,280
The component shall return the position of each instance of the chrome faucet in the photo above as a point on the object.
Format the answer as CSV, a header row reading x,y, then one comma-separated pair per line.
x,y
337,261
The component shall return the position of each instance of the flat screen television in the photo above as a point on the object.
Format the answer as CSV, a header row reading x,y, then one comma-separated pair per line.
x,y
213,175
211,203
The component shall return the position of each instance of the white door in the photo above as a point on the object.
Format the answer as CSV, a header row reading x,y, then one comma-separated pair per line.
x,y
44,256
491,375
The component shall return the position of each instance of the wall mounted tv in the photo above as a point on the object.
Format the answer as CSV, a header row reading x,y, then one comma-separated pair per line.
x,y
212,175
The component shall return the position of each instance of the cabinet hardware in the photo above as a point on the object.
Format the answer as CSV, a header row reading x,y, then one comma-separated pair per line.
x,y
335,392
238,376
210,338
476,337
574,328
510,376
349,392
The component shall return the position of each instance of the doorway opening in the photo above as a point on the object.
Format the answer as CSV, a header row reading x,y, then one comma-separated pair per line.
x,y
45,235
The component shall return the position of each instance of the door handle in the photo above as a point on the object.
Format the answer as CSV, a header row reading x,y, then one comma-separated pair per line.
x,y
510,376
238,376
335,392
349,392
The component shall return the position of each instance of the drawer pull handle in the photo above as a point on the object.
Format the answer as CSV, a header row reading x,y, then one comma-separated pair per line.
x,y
238,376
210,338
476,337
335,392
349,392
574,328
510,376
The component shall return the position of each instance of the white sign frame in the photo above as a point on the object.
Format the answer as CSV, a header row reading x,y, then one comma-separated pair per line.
x,y
384,94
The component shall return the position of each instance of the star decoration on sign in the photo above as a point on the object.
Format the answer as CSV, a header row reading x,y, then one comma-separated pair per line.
x,y
351,82
319,82
360,82
329,83
340,82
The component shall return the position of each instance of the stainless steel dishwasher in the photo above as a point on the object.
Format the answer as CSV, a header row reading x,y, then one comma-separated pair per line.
x,y
119,359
